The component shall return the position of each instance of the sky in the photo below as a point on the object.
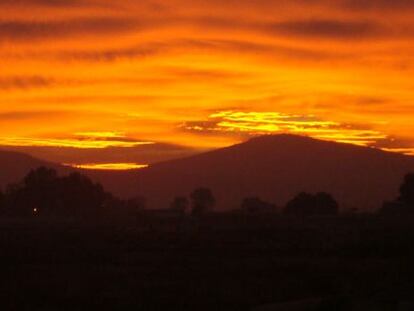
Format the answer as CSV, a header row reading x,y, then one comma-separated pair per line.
x,y
128,83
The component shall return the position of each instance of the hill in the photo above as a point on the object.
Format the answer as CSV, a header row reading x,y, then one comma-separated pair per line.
x,y
15,165
278,167
272,167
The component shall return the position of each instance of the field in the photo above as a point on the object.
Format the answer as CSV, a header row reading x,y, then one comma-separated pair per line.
x,y
218,262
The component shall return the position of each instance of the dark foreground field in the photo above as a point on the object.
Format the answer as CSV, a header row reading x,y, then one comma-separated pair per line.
x,y
221,262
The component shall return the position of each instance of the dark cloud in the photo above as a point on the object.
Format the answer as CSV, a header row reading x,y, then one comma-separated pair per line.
x,y
32,82
379,4
398,144
328,29
33,30
202,74
304,28
335,4
109,55
151,49
8,83
27,115
314,28
46,3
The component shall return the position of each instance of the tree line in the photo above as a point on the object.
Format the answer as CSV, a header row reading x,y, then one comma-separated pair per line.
x,y
43,192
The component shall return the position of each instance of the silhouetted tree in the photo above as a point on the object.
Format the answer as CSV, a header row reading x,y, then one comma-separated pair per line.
x,y
301,205
305,204
325,204
407,191
2,202
202,200
38,192
179,205
404,204
256,205
130,208
80,196
40,177
395,207
136,204
43,192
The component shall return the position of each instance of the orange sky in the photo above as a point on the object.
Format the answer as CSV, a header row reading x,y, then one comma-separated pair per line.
x,y
99,74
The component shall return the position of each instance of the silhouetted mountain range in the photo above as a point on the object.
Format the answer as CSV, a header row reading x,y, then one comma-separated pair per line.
x,y
278,167
274,168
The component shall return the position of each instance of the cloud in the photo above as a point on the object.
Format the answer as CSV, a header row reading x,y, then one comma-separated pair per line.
x,y
81,141
25,82
32,114
176,46
108,55
47,3
379,4
36,30
262,123
326,28
203,74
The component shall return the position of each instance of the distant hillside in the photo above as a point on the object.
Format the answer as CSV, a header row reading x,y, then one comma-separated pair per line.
x,y
278,167
272,167
15,165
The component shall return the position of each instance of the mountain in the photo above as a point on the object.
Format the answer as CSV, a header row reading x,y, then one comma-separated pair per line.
x,y
276,168
15,165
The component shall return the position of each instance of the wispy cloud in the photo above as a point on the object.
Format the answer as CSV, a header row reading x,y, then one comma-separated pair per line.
x,y
378,5
326,28
260,123
91,140
25,82
47,3
39,30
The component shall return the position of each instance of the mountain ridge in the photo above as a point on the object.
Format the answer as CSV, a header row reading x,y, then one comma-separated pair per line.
x,y
273,167
276,167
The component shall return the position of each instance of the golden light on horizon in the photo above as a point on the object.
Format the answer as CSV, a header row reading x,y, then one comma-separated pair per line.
x,y
109,166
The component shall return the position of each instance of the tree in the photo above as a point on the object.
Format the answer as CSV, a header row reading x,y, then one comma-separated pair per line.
x,y
80,196
2,202
395,207
325,204
404,204
202,200
302,204
407,190
306,204
38,192
136,204
43,192
179,205
40,177
256,205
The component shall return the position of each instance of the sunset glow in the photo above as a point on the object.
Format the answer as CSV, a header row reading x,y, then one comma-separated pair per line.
x,y
262,123
204,74
109,166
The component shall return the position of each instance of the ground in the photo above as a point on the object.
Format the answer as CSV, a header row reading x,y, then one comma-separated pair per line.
x,y
219,262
